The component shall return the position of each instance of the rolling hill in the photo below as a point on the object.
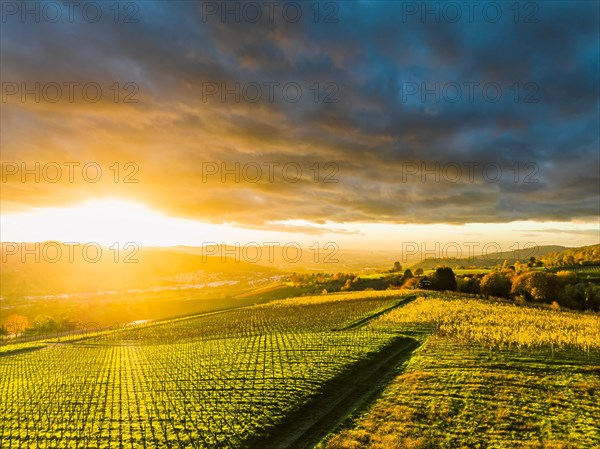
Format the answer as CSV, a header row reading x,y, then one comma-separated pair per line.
x,y
492,259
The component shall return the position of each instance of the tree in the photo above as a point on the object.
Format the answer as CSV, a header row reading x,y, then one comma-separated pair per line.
x,y
592,298
536,285
16,324
518,267
396,268
396,280
347,286
408,274
411,283
575,296
443,279
495,284
419,272
468,284
568,277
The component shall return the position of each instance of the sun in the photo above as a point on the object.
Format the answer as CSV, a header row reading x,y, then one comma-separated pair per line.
x,y
108,221
104,221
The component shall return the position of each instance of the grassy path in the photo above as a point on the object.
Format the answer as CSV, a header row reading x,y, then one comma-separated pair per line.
x,y
339,399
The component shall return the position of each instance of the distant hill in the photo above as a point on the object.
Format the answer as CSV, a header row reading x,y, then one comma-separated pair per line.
x,y
327,259
491,259
60,269
573,256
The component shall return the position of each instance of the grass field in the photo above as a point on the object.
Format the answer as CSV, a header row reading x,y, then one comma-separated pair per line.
x,y
462,396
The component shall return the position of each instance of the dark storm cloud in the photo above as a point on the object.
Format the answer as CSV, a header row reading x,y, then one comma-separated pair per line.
x,y
520,96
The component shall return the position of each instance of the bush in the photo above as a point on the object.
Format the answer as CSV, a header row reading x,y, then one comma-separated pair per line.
x,y
443,279
495,284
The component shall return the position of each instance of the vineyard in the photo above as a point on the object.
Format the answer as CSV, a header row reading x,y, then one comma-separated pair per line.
x,y
493,372
205,381
231,378
499,325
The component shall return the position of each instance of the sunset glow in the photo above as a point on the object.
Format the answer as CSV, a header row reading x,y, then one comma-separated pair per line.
x,y
299,224
106,221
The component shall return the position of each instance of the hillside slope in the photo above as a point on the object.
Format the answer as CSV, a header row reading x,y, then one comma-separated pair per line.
x,y
491,259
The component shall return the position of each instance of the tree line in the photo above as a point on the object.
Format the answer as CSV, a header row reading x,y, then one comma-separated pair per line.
x,y
563,288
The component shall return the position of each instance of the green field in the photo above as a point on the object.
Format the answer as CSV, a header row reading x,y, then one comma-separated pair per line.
x,y
336,370
461,396
488,375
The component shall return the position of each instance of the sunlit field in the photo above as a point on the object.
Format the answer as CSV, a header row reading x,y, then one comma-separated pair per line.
x,y
325,224
204,381
514,377
230,378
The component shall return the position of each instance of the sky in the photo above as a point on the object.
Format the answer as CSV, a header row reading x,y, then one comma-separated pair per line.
x,y
369,124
